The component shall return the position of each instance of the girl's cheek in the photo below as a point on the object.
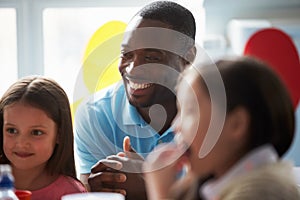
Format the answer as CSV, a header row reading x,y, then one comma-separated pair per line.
x,y
189,132
7,142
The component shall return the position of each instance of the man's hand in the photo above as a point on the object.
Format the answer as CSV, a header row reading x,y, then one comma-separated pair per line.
x,y
105,175
120,173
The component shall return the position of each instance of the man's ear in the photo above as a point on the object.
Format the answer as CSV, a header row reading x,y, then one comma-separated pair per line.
x,y
190,55
238,123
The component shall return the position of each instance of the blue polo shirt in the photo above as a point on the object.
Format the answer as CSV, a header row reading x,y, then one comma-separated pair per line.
x,y
102,122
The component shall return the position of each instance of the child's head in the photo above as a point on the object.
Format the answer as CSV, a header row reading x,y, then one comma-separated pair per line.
x,y
259,111
32,111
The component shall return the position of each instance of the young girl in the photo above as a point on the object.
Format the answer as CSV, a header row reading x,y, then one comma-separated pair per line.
x,y
244,161
37,138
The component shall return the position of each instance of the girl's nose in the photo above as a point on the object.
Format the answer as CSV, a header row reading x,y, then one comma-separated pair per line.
x,y
22,141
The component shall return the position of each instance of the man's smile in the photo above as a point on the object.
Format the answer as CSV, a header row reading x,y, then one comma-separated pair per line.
x,y
138,86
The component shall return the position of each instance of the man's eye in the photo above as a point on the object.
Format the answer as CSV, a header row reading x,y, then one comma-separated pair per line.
x,y
37,132
11,130
127,56
152,58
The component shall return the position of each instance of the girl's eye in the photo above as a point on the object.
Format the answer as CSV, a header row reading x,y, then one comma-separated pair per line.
x,y
11,130
37,132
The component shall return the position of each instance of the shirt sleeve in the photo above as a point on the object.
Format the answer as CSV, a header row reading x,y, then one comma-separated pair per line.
x,y
93,135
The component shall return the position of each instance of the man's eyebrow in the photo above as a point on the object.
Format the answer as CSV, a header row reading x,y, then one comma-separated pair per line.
x,y
153,50
126,48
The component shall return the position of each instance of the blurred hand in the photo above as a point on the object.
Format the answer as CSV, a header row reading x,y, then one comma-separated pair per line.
x,y
161,170
120,173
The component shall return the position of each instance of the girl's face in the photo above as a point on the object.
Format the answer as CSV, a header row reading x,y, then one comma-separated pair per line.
x,y
29,136
192,123
193,118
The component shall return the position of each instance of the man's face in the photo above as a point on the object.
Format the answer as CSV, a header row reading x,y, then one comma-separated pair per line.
x,y
149,64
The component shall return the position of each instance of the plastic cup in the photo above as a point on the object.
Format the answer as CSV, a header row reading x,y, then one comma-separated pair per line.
x,y
23,194
94,196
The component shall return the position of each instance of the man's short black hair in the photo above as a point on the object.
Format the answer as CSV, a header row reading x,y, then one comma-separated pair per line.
x,y
171,13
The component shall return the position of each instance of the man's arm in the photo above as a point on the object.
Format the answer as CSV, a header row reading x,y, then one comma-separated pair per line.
x,y
92,140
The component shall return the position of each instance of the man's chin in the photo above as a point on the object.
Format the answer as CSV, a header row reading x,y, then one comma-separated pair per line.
x,y
139,104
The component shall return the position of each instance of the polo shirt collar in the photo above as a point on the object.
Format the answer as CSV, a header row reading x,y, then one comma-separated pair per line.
x,y
258,157
131,116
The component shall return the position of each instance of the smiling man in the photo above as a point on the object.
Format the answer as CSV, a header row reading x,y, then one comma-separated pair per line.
x,y
157,46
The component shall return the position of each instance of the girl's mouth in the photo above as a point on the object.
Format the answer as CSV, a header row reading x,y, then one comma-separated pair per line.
x,y
23,154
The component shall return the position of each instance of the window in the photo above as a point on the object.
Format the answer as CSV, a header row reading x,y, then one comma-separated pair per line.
x,y
8,48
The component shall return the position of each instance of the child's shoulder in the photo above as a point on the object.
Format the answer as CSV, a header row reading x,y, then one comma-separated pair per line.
x,y
69,184
61,186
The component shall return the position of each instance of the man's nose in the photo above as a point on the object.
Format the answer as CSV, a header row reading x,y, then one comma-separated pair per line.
x,y
129,68
133,68
129,64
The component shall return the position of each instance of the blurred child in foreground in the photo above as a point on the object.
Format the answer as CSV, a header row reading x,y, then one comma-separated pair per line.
x,y
245,162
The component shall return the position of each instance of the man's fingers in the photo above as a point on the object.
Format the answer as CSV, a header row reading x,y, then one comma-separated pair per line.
x,y
107,182
106,164
121,154
101,177
128,164
126,145
129,151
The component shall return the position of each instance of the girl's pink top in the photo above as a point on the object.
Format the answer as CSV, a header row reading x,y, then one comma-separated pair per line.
x,y
61,186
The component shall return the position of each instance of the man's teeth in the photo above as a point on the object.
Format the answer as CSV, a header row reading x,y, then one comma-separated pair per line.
x,y
136,86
